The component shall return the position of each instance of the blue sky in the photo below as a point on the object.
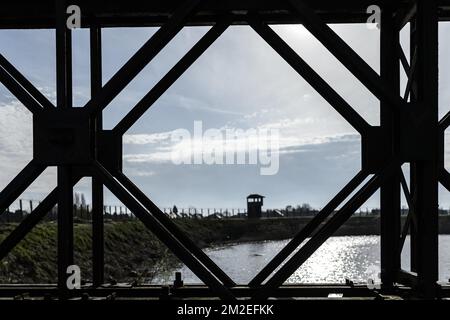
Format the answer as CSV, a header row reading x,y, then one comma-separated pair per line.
x,y
240,83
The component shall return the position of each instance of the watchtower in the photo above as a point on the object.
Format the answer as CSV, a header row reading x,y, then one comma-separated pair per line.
x,y
254,205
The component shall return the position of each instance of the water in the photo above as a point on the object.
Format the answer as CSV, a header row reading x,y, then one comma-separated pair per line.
x,y
354,257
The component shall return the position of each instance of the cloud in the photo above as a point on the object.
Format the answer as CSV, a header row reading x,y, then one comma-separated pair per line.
x,y
142,139
165,148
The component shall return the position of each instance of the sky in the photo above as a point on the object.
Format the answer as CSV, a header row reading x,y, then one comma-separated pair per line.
x,y
239,83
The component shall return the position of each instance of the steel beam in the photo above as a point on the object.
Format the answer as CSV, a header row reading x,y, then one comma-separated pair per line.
x,y
162,233
403,18
97,187
410,219
19,92
171,77
310,76
308,230
129,292
64,173
390,189
346,55
165,221
30,221
409,85
25,83
425,172
141,58
444,178
413,176
445,122
326,231
19,184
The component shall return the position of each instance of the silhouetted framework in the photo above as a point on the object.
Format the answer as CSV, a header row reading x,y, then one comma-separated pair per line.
x,y
73,140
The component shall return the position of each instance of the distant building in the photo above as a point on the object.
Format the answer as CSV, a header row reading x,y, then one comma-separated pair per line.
x,y
254,206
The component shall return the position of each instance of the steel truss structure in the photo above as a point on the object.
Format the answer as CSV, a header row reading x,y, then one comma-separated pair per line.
x,y
73,140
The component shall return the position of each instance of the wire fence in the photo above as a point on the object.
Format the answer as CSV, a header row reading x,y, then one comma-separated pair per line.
x,y
83,212
23,207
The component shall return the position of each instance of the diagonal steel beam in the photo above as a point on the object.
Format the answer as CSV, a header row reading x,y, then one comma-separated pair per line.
x,y
411,216
444,178
445,122
171,77
30,221
403,18
142,57
25,83
345,54
162,233
324,233
308,229
19,92
308,73
19,184
403,59
174,229
412,69
406,191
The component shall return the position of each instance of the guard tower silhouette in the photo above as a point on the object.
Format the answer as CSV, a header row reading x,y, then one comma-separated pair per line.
x,y
254,205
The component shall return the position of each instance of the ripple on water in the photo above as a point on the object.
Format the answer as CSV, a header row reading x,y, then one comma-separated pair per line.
x,y
353,257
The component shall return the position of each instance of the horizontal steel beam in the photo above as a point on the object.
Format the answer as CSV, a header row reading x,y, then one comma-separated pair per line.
x,y
198,291
116,13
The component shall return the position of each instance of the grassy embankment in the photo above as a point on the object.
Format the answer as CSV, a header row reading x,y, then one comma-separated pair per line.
x,y
131,252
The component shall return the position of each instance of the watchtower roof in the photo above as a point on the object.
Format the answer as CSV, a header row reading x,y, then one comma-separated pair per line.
x,y
255,196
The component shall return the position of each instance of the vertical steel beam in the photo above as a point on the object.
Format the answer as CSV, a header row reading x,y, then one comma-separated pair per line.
x,y
97,186
65,187
390,190
425,247
413,171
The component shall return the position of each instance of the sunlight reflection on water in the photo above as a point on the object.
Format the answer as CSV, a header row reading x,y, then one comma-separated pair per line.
x,y
354,257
